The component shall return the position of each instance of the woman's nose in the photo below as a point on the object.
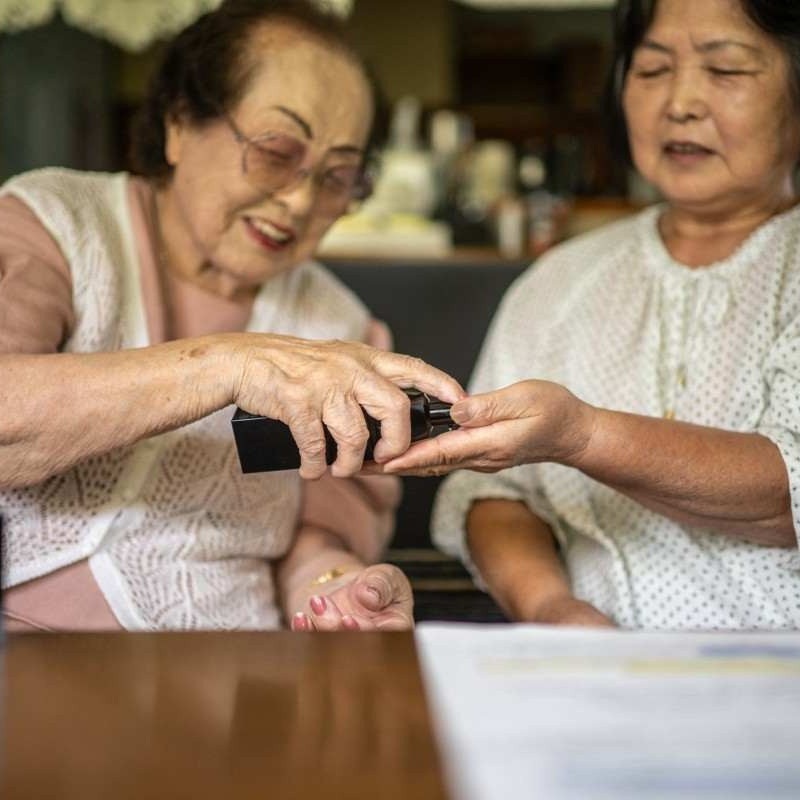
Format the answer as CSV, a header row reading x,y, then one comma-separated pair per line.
x,y
300,195
686,100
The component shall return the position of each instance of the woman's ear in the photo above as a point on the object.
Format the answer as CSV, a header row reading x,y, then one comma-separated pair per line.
x,y
174,137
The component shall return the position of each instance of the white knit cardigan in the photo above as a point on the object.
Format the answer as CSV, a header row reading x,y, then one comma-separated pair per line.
x,y
177,537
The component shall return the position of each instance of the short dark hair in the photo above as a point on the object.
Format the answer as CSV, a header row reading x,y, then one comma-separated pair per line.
x,y
777,18
204,72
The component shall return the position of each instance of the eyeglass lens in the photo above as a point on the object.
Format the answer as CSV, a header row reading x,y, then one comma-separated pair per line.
x,y
274,162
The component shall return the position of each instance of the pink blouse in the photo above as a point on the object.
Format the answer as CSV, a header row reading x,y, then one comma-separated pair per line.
x,y
36,316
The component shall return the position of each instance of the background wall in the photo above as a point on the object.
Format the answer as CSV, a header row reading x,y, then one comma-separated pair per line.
x,y
410,45
56,100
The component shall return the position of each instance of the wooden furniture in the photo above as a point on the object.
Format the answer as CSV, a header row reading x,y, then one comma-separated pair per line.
x,y
216,715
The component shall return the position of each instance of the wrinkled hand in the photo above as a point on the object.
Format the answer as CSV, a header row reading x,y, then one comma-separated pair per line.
x,y
374,598
307,383
524,423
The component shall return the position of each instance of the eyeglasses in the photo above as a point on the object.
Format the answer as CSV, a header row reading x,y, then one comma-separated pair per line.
x,y
273,162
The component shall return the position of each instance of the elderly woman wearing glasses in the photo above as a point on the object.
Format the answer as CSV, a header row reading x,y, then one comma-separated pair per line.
x,y
654,457
135,311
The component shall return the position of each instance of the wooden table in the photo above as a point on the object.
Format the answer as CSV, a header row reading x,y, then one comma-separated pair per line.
x,y
216,715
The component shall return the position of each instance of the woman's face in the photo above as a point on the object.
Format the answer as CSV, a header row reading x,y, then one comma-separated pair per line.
x,y
711,119
223,224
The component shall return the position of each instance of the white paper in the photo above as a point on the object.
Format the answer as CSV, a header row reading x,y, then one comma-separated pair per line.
x,y
525,711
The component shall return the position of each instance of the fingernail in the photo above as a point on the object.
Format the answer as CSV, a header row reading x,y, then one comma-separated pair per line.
x,y
299,621
318,604
350,622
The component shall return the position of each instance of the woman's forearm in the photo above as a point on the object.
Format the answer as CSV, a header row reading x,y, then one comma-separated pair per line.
x,y
735,483
732,483
516,555
58,409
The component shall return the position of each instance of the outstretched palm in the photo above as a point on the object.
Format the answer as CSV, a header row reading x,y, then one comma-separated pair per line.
x,y
375,598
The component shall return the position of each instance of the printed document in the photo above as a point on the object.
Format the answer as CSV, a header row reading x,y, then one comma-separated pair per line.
x,y
526,711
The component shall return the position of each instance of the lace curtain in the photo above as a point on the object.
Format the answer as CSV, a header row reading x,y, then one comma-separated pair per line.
x,y
130,24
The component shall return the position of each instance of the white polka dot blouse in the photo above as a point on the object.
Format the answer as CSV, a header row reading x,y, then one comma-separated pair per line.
x,y
615,319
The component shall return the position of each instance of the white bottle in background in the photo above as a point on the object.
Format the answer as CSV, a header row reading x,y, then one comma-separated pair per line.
x,y
511,227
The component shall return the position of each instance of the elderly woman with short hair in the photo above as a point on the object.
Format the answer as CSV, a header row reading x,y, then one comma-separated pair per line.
x,y
136,310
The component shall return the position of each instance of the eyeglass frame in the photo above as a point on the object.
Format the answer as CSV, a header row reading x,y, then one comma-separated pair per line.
x,y
358,195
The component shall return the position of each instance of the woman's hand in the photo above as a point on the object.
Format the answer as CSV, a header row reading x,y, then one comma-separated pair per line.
x,y
88,404
524,423
568,610
307,383
374,598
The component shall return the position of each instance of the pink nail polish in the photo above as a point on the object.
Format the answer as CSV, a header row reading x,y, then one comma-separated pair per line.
x,y
318,604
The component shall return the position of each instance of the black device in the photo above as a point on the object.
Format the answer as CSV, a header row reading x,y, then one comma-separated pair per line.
x,y
267,445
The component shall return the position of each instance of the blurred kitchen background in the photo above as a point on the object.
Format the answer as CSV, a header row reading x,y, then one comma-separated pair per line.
x,y
498,121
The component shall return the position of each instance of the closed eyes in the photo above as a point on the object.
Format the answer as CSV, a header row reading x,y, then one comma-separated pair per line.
x,y
715,71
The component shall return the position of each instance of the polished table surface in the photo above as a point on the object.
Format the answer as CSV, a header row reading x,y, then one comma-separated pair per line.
x,y
216,715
